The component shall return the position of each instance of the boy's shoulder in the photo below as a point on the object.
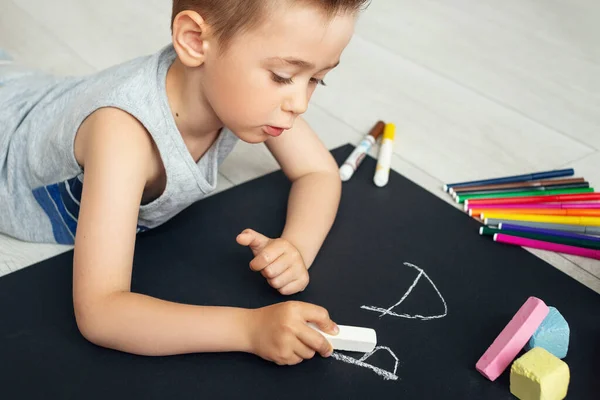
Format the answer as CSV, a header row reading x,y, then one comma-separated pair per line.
x,y
108,124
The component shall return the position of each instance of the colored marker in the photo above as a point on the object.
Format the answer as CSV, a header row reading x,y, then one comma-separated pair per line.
x,y
580,205
546,198
537,189
544,237
360,152
462,198
552,219
590,230
554,232
538,244
539,205
384,160
545,182
515,178
481,212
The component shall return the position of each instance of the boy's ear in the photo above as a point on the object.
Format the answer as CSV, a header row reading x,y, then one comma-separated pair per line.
x,y
190,38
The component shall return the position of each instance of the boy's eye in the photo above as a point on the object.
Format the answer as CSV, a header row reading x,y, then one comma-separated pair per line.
x,y
281,80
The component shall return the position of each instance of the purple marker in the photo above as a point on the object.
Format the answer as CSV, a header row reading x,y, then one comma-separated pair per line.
x,y
503,226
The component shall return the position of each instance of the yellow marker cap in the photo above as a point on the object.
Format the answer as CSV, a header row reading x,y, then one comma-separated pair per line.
x,y
389,131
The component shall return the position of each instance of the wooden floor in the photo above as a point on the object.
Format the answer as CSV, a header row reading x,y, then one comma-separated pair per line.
x,y
476,88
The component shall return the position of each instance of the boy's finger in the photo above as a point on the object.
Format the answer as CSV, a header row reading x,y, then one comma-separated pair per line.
x,y
295,360
292,288
304,351
266,256
320,317
283,279
315,341
277,267
256,241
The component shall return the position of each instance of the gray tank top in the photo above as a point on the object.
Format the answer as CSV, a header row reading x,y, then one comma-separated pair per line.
x,y
40,179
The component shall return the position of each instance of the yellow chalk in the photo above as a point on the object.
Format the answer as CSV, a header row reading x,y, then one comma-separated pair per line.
x,y
539,375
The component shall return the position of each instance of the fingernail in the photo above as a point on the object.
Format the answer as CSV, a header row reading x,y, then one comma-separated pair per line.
x,y
336,329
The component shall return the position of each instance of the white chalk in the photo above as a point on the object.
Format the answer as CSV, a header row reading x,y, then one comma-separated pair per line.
x,y
351,338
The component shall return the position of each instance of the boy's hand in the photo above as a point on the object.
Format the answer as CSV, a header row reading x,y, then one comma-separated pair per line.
x,y
278,261
280,333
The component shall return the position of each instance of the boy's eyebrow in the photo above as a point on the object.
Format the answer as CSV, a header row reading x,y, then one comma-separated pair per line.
x,y
300,63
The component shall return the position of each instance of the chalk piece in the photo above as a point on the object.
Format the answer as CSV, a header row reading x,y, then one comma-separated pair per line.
x,y
552,334
539,375
512,339
351,338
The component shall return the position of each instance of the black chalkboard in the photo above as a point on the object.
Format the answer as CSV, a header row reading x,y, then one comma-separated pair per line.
x,y
194,259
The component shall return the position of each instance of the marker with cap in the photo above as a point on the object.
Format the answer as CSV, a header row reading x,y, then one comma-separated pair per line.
x,y
360,152
513,179
384,160
590,230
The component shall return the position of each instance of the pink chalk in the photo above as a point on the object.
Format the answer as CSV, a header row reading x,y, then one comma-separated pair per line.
x,y
512,339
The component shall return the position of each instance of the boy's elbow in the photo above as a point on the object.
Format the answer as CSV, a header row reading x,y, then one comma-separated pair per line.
x,y
92,322
88,325
333,170
333,173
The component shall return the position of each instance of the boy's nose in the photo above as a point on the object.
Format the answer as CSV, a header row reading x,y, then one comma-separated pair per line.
x,y
296,102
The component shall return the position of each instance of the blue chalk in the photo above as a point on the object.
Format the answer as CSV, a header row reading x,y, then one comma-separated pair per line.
x,y
552,334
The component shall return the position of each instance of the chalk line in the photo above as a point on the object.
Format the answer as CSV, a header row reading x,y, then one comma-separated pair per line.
x,y
386,375
388,311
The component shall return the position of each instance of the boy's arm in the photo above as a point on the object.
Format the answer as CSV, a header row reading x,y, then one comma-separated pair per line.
x,y
117,154
316,188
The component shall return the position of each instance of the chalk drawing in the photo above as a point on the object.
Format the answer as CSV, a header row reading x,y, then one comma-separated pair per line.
x,y
386,375
388,311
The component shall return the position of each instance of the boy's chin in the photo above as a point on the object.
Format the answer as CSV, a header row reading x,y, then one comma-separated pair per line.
x,y
254,136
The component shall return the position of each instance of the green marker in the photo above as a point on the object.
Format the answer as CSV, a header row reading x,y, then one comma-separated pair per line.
x,y
484,230
461,199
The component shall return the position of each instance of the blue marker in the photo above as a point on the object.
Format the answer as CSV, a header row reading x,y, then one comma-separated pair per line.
x,y
515,178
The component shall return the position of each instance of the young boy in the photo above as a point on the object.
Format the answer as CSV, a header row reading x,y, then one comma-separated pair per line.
x,y
148,136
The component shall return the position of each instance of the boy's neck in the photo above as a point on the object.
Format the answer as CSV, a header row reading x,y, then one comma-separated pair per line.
x,y
193,115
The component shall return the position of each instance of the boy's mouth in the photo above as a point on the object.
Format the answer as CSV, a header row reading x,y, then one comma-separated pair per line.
x,y
273,130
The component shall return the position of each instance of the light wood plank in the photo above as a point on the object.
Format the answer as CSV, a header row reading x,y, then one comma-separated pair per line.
x,y
105,33
589,168
16,254
450,132
529,74
567,266
570,24
33,46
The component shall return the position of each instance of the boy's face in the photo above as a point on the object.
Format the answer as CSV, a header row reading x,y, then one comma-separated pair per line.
x,y
266,77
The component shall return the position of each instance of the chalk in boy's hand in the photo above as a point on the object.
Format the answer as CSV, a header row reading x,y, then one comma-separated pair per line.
x,y
278,260
281,332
